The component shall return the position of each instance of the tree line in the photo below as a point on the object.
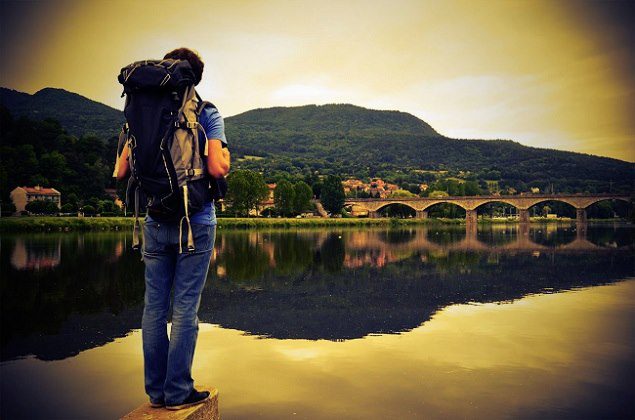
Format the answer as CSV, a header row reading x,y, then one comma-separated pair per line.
x,y
248,192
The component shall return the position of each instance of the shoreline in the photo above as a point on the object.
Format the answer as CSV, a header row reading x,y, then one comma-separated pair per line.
x,y
74,224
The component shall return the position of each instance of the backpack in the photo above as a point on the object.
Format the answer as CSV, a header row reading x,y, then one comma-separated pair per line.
x,y
168,166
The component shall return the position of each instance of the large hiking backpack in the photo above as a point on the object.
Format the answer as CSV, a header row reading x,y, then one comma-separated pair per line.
x,y
168,168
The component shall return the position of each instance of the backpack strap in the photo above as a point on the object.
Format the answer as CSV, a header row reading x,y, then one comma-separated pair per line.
x,y
202,105
186,218
137,226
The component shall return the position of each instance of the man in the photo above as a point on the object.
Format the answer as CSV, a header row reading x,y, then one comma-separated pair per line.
x,y
168,362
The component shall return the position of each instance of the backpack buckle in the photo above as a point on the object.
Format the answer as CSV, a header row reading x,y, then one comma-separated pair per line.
x,y
187,124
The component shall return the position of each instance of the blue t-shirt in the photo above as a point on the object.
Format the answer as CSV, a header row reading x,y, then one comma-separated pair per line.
x,y
214,127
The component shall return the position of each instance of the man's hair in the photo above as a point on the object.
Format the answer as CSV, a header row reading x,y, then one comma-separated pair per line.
x,y
195,60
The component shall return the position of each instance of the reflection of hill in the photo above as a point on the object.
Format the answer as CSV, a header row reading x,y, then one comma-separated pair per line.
x,y
330,284
354,303
87,300
78,332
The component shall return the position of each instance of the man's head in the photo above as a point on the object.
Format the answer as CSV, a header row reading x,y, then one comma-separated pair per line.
x,y
194,59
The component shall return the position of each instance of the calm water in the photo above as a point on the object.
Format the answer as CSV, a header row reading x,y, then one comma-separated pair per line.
x,y
425,322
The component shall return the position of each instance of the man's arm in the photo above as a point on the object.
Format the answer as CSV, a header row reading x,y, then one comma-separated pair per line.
x,y
121,166
218,159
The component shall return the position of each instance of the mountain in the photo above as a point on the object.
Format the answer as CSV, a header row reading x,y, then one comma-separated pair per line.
x,y
77,114
332,119
352,141
349,140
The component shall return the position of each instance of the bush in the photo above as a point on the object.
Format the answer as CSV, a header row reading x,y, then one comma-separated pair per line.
x,y
88,210
41,207
67,208
8,209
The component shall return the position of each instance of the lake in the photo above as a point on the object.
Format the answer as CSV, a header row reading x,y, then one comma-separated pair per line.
x,y
419,322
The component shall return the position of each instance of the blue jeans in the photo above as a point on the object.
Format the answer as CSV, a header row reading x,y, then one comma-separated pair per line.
x,y
168,362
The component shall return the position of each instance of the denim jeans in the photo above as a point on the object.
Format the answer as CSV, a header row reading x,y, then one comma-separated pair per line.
x,y
168,362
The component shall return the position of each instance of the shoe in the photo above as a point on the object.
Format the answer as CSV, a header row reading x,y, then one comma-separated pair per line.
x,y
195,398
157,404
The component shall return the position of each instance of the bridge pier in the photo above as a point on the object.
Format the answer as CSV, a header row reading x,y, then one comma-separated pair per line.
x,y
471,216
580,215
422,214
523,215
523,230
373,215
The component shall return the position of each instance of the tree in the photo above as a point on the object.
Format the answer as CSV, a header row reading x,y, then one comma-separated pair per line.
x,y
51,208
246,189
41,207
35,206
332,195
284,198
68,208
401,194
8,209
317,189
472,188
437,194
88,210
303,195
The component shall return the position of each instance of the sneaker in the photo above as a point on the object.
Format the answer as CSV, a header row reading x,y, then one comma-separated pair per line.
x,y
157,404
195,398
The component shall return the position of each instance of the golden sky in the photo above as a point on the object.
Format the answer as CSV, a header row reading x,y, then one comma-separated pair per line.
x,y
554,74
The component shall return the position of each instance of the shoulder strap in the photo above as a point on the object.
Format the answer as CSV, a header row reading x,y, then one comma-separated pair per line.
x,y
199,110
203,104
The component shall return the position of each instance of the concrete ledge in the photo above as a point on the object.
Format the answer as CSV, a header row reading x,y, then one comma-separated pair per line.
x,y
205,411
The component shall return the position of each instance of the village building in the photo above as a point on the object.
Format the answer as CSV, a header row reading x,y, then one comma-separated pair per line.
x,y
381,189
354,185
377,188
21,196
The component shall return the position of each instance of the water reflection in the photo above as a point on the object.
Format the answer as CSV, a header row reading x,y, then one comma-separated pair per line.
x,y
91,296
312,284
35,254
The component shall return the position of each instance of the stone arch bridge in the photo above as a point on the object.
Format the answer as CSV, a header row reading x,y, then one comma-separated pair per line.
x,y
471,203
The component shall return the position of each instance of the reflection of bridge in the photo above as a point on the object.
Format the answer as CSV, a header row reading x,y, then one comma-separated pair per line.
x,y
521,240
471,203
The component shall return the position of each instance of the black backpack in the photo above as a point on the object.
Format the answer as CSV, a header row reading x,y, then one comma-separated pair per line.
x,y
168,167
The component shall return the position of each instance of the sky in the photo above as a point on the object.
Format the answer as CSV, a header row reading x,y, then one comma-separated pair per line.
x,y
556,74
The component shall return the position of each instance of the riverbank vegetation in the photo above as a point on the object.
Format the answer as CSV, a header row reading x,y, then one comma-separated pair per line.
x,y
70,224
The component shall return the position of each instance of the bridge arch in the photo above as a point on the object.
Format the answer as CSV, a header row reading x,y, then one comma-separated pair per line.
x,y
600,199
494,200
445,208
441,201
572,203
604,208
568,211
480,208
383,207
267,210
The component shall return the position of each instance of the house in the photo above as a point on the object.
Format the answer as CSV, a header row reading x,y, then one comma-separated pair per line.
x,y
21,196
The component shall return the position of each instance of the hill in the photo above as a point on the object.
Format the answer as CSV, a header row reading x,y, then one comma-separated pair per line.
x,y
349,140
77,114
352,141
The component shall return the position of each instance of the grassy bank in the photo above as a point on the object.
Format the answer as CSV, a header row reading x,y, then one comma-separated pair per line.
x,y
63,224
67,224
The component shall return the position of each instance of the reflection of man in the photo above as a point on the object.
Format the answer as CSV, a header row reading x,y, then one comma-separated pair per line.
x,y
168,362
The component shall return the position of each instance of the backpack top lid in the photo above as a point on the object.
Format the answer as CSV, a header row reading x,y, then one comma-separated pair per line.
x,y
156,74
